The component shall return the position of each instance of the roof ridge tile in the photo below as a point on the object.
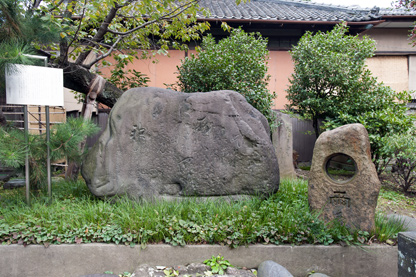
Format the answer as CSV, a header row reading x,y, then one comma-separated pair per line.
x,y
295,10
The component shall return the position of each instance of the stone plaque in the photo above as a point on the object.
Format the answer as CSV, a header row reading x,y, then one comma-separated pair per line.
x,y
343,183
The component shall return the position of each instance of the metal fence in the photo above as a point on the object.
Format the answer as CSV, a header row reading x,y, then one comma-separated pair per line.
x,y
303,138
36,117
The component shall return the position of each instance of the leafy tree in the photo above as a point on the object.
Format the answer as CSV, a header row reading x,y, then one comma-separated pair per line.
x,y
91,30
126,79
238,62
332,83
329,69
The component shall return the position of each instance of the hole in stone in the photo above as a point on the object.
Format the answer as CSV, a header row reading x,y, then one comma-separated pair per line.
x,y
340,167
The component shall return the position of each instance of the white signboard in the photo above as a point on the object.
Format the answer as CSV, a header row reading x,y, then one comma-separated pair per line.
x,y
35,85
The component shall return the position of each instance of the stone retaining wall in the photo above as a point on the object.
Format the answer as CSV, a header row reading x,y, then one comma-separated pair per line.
x,y
76,260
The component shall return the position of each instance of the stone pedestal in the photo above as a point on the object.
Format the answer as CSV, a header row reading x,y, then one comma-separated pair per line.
x,y
343,182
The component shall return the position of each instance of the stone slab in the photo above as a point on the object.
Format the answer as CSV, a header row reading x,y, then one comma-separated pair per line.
x,y
75,260
408,222
282,138
14,184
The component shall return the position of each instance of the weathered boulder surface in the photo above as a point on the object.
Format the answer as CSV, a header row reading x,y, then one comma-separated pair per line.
x,y
352,200
166,144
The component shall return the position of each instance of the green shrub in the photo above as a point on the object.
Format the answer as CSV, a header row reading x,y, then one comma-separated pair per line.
x,y
64,143
400,151
383,113
238,62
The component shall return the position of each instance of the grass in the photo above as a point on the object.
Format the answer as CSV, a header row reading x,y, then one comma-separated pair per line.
x,y
76,216
387,228
393,200
333,171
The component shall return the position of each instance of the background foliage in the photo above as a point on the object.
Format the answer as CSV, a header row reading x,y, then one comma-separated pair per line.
x,y
124,78
400,150
238,62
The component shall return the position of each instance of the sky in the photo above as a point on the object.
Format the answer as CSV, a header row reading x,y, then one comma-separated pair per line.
x,y
361,3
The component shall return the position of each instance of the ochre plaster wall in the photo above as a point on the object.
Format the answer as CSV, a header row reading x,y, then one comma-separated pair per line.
x,y
280,69
162,70
391,40
392,70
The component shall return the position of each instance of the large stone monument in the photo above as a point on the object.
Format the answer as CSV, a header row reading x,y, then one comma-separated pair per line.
x,y
166,144
343,182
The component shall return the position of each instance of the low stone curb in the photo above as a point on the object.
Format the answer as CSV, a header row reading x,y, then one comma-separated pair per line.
x,y
83,259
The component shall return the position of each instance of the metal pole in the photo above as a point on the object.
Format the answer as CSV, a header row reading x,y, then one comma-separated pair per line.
x,y
27,154
45,59
40,119
48,154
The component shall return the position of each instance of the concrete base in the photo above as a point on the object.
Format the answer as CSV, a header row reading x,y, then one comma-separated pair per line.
x,y
83,259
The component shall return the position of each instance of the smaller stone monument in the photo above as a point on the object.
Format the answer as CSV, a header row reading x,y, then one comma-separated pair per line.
x,y
343,182
283,145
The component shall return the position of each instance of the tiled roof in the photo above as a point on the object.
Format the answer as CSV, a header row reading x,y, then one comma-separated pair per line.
x,y
290,10
397,12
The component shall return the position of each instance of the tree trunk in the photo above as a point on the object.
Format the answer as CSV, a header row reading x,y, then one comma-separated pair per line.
x,y
80,79
3,120
315,125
